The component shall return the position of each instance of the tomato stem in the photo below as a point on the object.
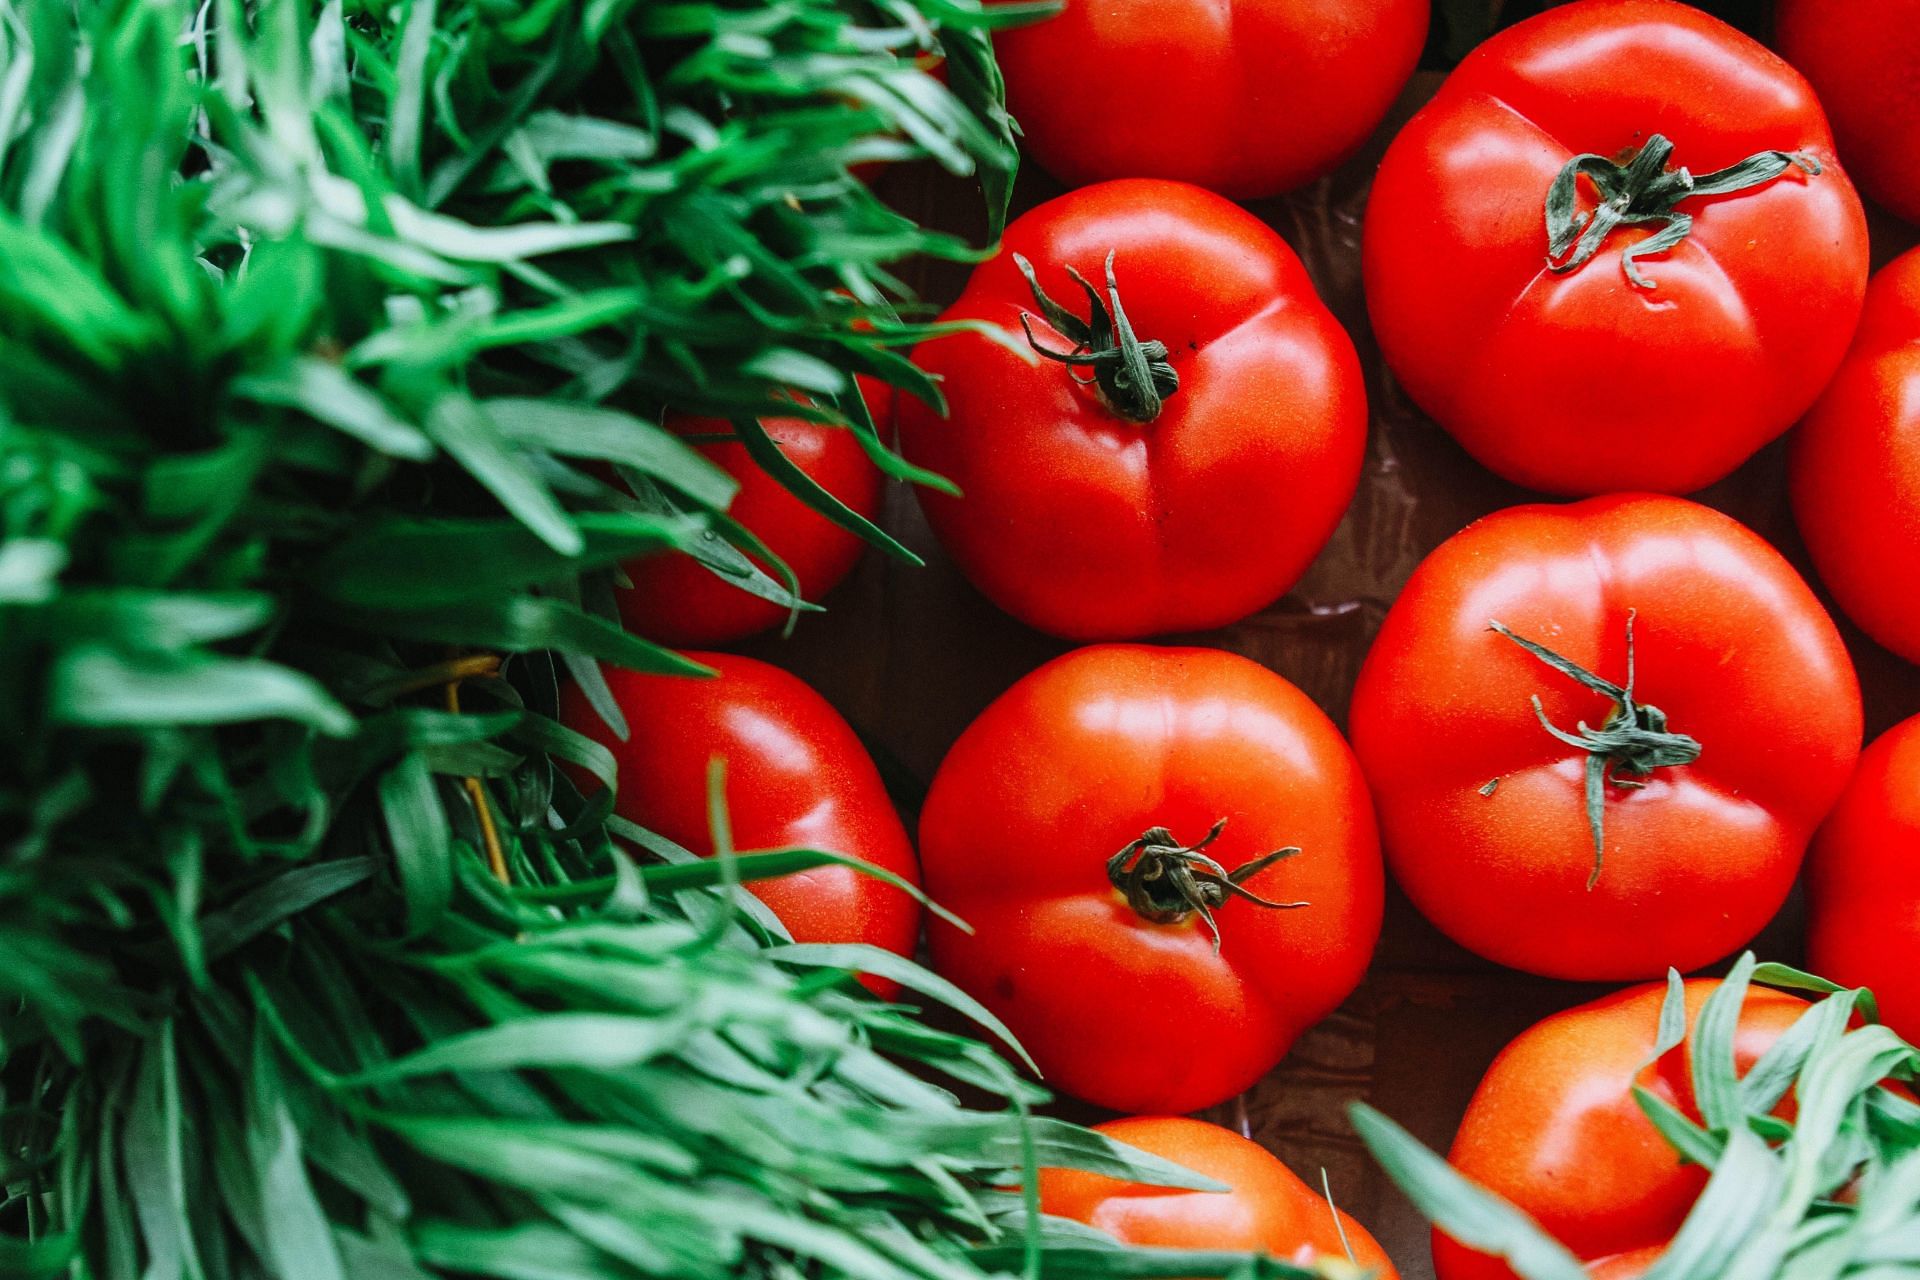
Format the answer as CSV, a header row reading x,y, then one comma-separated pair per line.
x,y
1133,377
1644,190
1624,751
1167,882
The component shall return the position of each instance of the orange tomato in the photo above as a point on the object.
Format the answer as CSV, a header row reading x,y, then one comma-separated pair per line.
x,y
1266,1209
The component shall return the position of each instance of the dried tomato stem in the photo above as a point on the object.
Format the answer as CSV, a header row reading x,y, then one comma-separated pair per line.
x,y
1644,190
1134,377
1167,882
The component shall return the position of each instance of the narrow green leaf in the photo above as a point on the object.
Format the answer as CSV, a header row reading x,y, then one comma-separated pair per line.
x,y
803,486
462,427
329,394
95,686
421,839
279,900
881,963
1470,1214
1716,1079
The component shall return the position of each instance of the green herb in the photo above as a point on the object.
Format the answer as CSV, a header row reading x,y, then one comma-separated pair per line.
x,y
325,329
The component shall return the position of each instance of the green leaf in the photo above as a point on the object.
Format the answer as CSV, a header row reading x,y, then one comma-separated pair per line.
x,y
132,618
881,963
329,394
1716,1079
588,431
279,900
524,624
1673,1019
761,447
1729,1213
530,1251
463,428
587,1040
404,561
98,687
1096,1263
422,841
1470,1214
1692,1142
299,1242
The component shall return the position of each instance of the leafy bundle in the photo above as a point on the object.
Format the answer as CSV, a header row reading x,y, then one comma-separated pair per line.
x,y
332,337
1830,1190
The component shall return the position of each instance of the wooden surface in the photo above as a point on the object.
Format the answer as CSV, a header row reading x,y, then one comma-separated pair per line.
x,y
911,655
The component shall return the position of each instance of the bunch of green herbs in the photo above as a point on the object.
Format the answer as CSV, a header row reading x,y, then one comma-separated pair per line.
x,y
333,338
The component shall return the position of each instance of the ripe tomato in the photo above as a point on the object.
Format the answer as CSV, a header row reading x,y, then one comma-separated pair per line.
x,y
1863,886
1569,362
1863,57
1267,1209
1856,467
1500,775
676,600
1247,97
796,776
1067,827
1554,1129
1107,504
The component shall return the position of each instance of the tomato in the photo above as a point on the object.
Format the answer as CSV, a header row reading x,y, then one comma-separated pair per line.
x,y
1100,505
1086,825
1863,57
1856,467
1554,1129
676,600
1863,881
1246,97
1746,722
1614,358
1267,1209
796,776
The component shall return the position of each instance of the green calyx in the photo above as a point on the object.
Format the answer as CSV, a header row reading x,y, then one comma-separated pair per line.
x,y
1134,377
1644,190
1625,750
1167,882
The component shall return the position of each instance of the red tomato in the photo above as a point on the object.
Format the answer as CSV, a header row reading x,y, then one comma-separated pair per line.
x,y
1863,57
1066,826
1089,523
1856,467
676,600
1246,97
1747,721
1266,1210
1582,375
1863,887
1554,1129
796,776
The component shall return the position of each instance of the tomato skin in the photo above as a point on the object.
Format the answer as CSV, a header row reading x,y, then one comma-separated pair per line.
x,y
1729,642
1863,57
1584,383
1079,759
1855,467
1223,113
1268,1209
677,601
1089,526
1863,885
797,775
1554,1129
